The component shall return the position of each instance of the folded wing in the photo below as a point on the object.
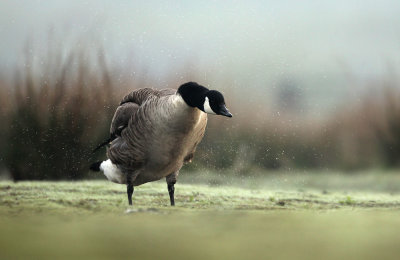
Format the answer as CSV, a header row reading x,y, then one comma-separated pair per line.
x,y
128,149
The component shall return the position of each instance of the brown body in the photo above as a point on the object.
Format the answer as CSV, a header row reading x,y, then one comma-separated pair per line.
x,y
161,133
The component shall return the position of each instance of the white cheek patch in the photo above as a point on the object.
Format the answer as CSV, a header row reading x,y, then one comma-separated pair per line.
x,y
207,107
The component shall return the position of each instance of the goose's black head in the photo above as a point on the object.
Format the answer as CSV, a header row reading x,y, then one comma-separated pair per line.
x,y
209,101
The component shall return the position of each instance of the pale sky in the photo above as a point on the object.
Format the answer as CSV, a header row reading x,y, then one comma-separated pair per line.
x,y
255,44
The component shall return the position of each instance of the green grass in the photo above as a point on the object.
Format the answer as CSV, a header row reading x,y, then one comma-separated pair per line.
x,y
91,220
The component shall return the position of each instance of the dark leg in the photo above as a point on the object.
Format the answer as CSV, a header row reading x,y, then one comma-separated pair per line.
x,y
171,190
129,190
171,180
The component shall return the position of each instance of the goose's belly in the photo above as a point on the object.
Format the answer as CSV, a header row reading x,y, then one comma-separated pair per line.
x,y
149,175
167,155
162,165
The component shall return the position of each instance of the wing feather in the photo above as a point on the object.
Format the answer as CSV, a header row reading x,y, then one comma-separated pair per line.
x,y
129,149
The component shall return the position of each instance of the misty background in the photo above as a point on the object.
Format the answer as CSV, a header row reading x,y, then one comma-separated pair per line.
x,y
311,85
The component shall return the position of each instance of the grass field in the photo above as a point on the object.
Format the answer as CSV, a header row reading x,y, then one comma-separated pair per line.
x,y
251,218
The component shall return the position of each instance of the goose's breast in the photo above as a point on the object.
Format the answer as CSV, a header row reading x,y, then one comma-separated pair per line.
x,y
171,147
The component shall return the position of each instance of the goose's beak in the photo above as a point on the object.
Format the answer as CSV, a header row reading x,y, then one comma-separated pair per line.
x,y
224,111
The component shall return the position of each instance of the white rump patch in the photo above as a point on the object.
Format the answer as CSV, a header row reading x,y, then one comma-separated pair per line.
x,y
112,172
207,107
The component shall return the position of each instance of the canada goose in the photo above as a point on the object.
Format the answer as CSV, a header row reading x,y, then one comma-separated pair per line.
x,y
153,132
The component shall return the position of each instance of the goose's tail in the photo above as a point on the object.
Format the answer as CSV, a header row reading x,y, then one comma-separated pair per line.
x,y
110,170
96,166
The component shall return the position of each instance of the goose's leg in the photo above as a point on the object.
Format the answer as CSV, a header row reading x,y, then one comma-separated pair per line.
x,y
171,191
129,190
171,180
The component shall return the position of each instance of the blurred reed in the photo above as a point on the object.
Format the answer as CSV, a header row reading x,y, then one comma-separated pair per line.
x,y
60,109
55,115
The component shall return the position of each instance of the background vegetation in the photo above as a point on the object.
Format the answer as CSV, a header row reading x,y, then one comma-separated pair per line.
x,y
57,111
